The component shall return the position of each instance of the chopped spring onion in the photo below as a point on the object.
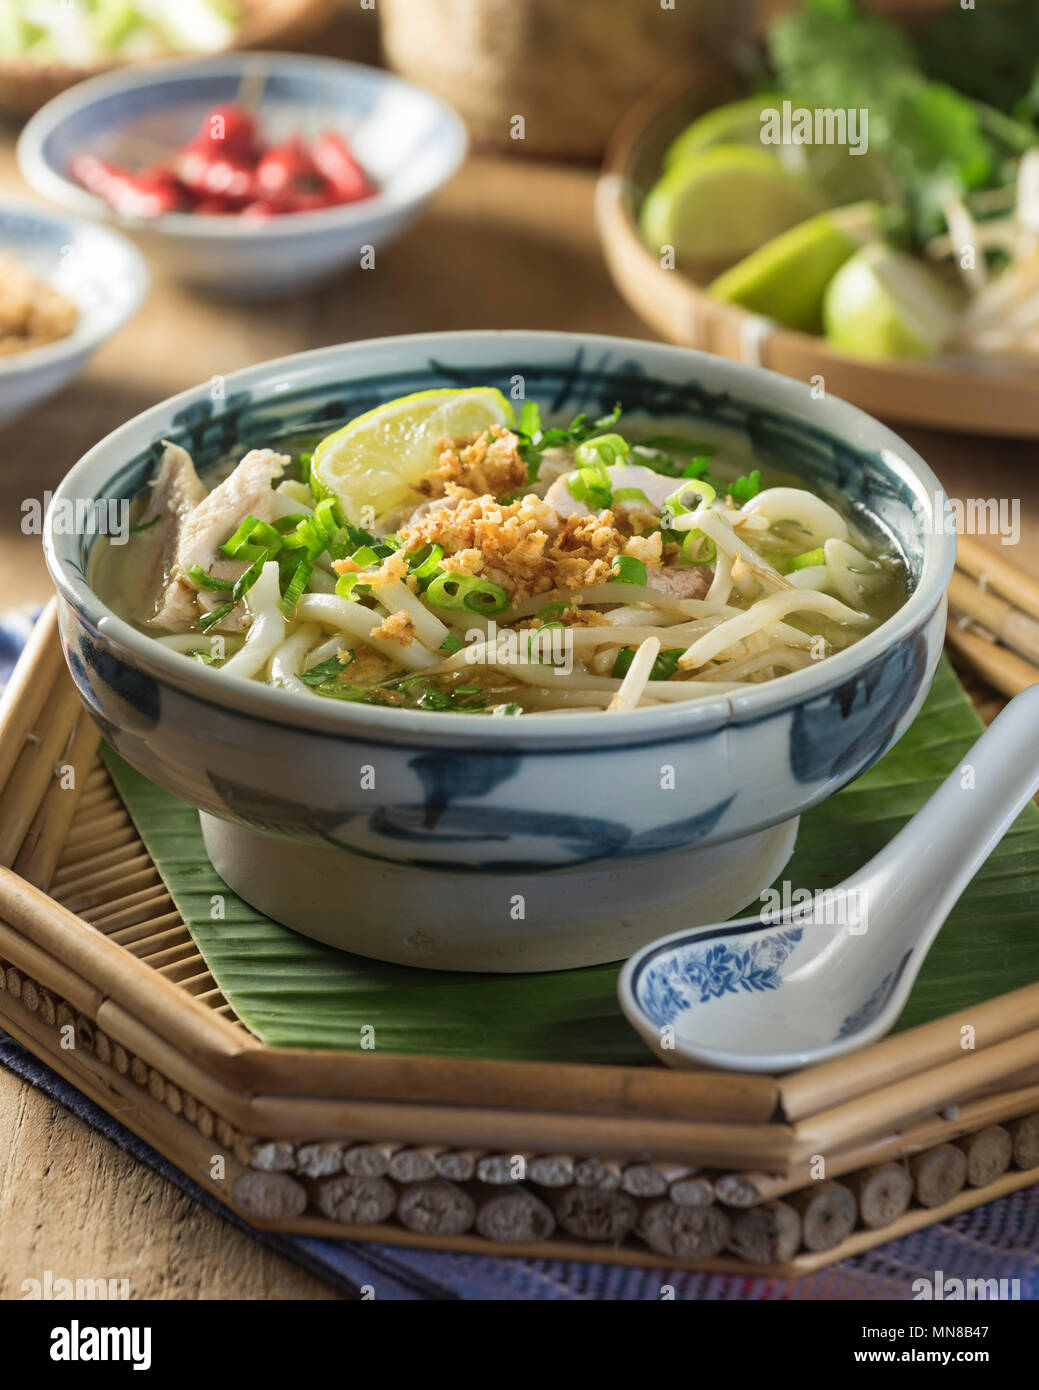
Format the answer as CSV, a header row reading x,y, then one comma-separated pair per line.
x,y
805,560
251,535
365,557
551,611
451,643
589,486
455,591
602,452
352,585
536,634
306,537
633,494
534,439
507,709
628,570
295,588
245,581
324,520
675,504
305,460
425,563
698,549
663,668
214,616
145,525
201,579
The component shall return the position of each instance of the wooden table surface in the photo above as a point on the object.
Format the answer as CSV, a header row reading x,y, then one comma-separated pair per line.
x,y
510,244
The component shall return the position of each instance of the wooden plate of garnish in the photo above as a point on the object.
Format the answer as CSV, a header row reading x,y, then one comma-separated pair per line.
x,y
730,227
47,65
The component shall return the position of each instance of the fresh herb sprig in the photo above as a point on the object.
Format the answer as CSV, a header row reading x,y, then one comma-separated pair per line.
x,y
534,439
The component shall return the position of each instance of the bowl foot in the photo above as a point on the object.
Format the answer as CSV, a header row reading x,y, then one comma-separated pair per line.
x,y
501,921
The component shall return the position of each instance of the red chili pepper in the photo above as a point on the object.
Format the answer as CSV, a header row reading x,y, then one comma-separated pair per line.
x,y
229,131
207,174
215,207
137,196
284,169
332,158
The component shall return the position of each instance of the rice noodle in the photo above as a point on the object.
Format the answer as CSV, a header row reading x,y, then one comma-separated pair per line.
x,y
267,630
288,659
636,678
804,509
764,612
760,616
358,621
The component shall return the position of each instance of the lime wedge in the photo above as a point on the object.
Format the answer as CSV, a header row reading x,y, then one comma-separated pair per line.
x,y
841,176
376,460
787,277
735,123
722,203
885,303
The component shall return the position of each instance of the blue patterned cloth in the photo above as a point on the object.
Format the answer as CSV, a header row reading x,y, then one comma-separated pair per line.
x,y
997,1241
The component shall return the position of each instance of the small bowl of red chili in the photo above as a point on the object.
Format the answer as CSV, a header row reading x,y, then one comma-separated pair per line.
x,y
251,174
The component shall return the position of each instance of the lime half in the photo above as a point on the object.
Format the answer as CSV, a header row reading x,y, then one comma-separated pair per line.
x,y
842,176
885,303
787,277
722,203
735,123
376,460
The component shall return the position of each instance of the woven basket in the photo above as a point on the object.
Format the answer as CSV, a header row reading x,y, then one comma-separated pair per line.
x,y
26,86
570,70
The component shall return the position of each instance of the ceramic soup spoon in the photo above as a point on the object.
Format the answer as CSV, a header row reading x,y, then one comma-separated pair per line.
x,y
809,982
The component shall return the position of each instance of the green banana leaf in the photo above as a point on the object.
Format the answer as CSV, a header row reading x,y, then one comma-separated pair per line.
x,y
292,992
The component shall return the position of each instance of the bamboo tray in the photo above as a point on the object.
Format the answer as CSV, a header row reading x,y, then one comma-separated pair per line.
x,y
987,399
101,979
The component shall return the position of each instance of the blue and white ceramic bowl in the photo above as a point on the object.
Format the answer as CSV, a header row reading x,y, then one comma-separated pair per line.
x,y
507,844
97,269
408,140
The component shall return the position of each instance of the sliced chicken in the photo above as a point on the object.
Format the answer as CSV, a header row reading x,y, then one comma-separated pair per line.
x,y
682,581
563,502
176,492
203,528
437,504
656,487
554,463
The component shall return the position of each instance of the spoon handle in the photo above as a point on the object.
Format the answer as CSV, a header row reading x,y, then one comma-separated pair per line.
x,y
932,859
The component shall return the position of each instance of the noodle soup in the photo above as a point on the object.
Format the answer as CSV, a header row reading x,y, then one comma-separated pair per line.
x,y
595,566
